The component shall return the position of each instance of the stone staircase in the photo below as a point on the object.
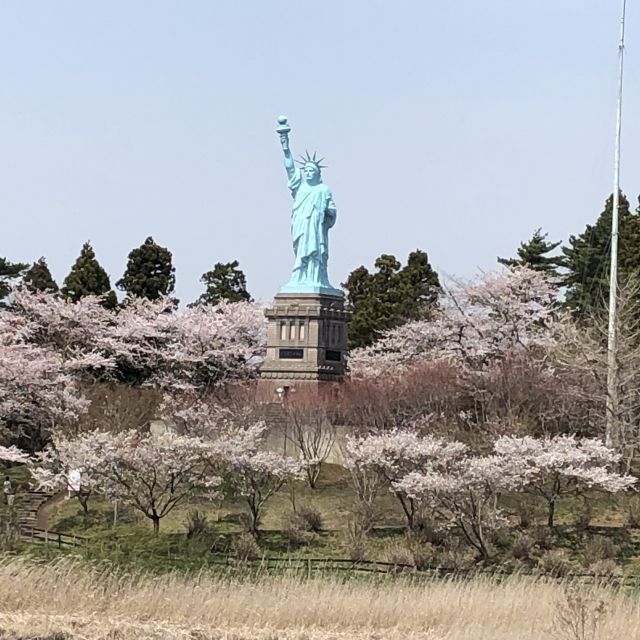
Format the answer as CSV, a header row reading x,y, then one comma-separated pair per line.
x,y
27,506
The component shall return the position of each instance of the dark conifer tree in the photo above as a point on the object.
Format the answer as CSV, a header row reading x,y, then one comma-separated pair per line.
x,y
39,278
87,277
587,259
533,254
390,296
226,281
150,273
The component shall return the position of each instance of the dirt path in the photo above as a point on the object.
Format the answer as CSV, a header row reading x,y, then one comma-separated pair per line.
x,y
42,521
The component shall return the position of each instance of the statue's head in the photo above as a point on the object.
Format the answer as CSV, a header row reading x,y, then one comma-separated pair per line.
x,y
311,168
311,173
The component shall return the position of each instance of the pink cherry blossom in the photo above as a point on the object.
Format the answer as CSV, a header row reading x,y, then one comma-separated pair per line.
x,y
475,323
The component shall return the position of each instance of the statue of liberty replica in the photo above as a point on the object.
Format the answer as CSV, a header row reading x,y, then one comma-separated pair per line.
x,y
307,333
314,213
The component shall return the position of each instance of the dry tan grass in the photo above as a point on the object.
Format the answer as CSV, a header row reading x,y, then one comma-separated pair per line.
x,y
79,603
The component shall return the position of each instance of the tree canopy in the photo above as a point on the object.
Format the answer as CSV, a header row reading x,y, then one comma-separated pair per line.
x,y
587,258
393,294
533,254
39,278
226,281
150,273
88,278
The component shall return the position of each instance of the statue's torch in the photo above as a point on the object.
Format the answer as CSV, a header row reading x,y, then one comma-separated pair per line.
x,y
283,129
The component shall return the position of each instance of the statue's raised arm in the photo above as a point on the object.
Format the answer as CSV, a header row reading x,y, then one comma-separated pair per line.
x,y
284,129
313,214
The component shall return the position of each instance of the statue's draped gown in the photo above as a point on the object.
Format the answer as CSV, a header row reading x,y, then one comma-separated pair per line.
x,y
314,213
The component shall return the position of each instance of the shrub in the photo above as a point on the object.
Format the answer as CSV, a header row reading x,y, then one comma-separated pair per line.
x,y
410,551
501,538
366,514
526,512
398,553
355,542
10,540
426,530
456,559
295,531
245,547
543,538
523,546
311,517
605,568
580,616
556,563
197,525
599,548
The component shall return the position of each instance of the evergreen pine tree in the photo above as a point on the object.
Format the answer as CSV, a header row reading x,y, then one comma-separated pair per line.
x,y
390,296
587,259
86,278
420,287
533,255
362,326
149,273
225,282
39,278
9,272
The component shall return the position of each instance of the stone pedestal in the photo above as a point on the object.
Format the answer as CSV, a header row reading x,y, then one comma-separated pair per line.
x,y
306,343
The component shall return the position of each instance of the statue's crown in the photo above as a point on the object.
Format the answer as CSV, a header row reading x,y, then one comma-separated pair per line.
x,y
306,159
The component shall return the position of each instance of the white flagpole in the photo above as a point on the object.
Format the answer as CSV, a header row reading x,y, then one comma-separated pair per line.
x,y
611,433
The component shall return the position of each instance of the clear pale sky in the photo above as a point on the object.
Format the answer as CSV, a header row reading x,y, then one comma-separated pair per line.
x,y
457,127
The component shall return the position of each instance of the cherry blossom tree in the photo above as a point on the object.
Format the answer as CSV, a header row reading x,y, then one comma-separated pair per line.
x,y
146,341
153,344
253,472
80,332
38,391
309,427
465,492
153,474
475,324
237,449
564,464
395,454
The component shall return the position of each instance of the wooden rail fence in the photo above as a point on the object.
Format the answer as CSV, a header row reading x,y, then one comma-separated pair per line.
x,y
313,565
57,538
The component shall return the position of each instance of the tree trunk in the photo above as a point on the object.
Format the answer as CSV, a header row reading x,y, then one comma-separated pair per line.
x,y
254,519
156,524
83,499
408,509
313,472
551,513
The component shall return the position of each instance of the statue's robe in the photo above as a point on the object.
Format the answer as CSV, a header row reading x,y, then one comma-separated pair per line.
x,y
314,213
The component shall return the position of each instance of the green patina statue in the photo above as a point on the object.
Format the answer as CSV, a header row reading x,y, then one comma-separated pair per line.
x,y
314,213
